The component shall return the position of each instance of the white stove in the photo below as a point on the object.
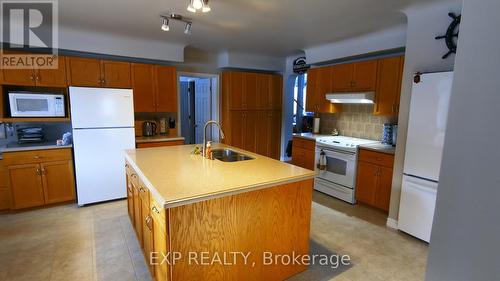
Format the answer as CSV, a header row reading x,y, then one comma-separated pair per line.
x,y
343,143
336,164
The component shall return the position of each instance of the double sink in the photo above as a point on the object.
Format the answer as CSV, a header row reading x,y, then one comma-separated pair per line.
x,y
228,155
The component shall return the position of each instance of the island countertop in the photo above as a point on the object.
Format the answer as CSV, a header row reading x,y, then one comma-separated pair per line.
x,y
177,177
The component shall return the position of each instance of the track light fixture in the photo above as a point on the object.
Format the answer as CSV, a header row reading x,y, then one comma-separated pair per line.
x,y
195,5
165,19
164,25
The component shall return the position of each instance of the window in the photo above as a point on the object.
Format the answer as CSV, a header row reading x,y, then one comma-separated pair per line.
x,y
299,98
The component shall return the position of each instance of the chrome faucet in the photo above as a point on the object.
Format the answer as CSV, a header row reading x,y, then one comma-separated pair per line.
x,y
205,134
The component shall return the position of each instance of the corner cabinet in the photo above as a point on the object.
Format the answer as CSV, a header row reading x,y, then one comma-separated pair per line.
x,y
155,88
40,177
320,83
374,179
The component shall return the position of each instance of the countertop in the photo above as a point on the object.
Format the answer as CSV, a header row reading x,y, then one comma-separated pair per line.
x,y
379,147
157,139
310,136
14,146
177,177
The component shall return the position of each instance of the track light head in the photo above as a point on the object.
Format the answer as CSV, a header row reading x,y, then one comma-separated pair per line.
x,y
165,26
187,29
197,4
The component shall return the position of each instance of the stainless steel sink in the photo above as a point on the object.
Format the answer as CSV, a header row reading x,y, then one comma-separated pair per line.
x,y
228,155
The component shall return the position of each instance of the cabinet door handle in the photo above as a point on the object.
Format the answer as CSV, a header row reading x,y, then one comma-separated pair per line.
x,y
141,189
154,209
134,176
148,222
43,171
37,157
38,171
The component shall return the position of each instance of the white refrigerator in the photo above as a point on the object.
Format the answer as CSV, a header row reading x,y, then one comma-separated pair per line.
x,y
103,128
424,148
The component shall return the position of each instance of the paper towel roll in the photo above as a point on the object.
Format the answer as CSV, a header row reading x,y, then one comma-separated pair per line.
x,y
316,125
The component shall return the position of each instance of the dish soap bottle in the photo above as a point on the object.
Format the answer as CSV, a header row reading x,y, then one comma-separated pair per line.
x,y
208,150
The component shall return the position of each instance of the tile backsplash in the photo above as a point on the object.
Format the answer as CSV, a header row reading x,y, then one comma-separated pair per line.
x,y
356,120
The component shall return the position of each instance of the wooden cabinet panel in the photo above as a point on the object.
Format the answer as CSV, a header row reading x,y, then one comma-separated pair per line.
x,y
342,77
58,181
5,198
251,127
377,158
53,77
365,75
84,72
237,128
324,86
263,92
312,84
26,186
388,86
159,144
250,92
130,200
274,139
143,86
383,195
303,153
115,74
160,246
21,77
36,156
147,234
276,92
166,88
234,84
366,185
137,214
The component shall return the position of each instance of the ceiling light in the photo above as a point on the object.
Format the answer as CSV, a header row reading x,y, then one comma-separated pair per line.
x,y
197,4
205,8
187,29
190,7
165,26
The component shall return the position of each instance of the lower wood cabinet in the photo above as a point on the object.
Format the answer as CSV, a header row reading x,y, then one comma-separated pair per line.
x,y
303,152
374,179
158,144
38,178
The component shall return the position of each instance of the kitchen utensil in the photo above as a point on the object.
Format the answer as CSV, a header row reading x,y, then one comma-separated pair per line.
x,y
148,129
163,126
387,134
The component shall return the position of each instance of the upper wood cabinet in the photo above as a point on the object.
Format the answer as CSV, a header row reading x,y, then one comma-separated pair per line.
x,y
89,72
389,77
155,88
37,77
354,77
252,91
320,83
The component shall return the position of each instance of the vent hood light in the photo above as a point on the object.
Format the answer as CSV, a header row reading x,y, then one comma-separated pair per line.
x,y
355,98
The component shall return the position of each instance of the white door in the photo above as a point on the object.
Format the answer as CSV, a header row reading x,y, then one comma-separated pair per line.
x,y
100,163
427,124
416,210
202,105
101,108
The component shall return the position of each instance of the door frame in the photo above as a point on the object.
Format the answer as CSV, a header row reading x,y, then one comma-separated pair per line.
x,y
215,94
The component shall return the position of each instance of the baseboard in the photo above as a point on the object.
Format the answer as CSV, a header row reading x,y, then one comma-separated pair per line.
x,y
392,223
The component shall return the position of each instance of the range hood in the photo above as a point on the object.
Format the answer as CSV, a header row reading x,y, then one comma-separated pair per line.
x,y
356,98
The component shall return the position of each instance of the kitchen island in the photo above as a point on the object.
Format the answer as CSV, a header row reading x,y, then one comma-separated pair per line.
x,y
214,220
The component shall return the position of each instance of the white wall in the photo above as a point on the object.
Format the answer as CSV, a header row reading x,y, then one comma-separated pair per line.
x,y
391,38
251,61
119,45
423,53
465,240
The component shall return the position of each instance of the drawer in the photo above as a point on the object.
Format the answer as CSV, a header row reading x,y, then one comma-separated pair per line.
x,y
303,143
377,158
36,156
158,213
159,144
132,176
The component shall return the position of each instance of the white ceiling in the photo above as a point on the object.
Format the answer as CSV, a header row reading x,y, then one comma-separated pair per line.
x,y
271,27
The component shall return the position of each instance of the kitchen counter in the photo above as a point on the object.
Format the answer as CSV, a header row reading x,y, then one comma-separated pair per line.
x,y
14,146
379,147
310,136
157,139
196,205
177,177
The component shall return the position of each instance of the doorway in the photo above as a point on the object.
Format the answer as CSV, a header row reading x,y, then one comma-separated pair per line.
x,y
198,104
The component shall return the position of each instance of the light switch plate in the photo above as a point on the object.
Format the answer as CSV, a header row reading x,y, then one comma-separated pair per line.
x,y
2,131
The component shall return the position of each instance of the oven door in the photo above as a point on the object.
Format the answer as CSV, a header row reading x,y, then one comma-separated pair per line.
x,y
339,167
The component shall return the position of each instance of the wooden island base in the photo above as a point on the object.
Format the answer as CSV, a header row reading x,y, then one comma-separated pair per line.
x,y
210,237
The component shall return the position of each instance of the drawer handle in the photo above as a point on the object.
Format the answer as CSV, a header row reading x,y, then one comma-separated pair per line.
x,y
134,176
141,189
155,209
126,165
37,157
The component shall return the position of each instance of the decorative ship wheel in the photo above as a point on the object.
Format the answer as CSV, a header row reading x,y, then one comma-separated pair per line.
x,y
451,35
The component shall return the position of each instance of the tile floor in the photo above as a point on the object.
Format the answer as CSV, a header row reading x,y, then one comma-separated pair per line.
x,y
98,243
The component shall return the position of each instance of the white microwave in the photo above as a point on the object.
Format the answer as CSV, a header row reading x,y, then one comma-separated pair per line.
x,y
25,104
